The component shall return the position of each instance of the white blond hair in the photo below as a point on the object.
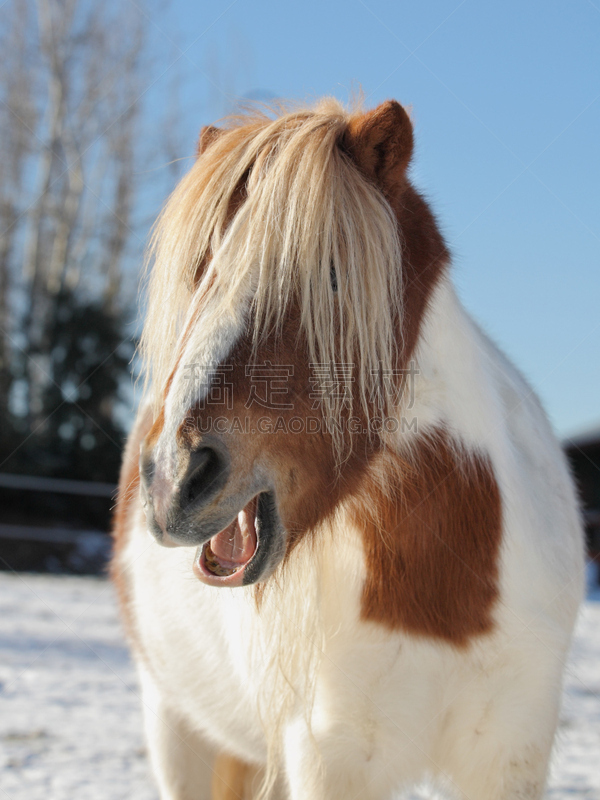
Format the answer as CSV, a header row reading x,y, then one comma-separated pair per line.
x,y
305,213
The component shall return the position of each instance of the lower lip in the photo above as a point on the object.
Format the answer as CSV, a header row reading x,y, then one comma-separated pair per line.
x,y
203,574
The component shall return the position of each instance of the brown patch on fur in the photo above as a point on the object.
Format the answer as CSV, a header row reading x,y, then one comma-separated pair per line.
x,y
431,542
231,778
127,497
425,258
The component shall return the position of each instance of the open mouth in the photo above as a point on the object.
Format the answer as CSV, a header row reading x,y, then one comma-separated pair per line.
x,y
246,551
223,559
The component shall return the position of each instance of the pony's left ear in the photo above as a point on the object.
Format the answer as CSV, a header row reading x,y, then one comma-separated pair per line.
x,y
208,135
380,143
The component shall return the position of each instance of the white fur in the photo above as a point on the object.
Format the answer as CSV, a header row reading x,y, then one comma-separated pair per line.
x,y
212,337
388,708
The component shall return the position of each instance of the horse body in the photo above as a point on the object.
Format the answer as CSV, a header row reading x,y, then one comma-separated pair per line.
x,y
413,623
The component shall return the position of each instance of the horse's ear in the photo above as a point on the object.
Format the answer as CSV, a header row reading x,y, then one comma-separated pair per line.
x,y
380,143
208,135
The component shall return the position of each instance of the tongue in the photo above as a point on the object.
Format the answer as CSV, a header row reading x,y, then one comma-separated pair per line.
x,y
235,546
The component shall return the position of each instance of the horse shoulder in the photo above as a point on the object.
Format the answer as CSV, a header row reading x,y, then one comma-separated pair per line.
x,y
431,540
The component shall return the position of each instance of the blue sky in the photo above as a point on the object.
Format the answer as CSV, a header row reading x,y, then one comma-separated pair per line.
x,y
505,98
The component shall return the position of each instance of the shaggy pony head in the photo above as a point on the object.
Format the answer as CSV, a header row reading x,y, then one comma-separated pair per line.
x,y
279,250
293,212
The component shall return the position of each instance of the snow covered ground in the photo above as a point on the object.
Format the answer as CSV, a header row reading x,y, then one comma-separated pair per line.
x,y
70,723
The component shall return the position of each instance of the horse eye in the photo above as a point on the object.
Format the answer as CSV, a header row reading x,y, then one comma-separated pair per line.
x,y
333,279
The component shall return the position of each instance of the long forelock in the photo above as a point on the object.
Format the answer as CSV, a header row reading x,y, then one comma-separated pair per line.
x,y
302,209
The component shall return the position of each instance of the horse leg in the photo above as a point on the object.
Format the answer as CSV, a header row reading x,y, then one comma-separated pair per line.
x,y
181,759
497,743
335,766
507,776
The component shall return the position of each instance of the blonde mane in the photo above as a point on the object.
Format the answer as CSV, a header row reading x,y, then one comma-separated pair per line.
x,y
304,210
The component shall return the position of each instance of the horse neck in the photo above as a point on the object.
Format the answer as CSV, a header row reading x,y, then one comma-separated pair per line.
x,y
456,385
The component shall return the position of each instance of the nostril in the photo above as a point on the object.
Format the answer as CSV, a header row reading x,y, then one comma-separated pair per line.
x,y
203,475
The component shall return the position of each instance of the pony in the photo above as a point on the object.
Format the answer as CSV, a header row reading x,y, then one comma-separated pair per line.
x,y
348,550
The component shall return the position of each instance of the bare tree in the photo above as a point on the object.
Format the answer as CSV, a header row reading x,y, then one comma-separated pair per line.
x,y
73,81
